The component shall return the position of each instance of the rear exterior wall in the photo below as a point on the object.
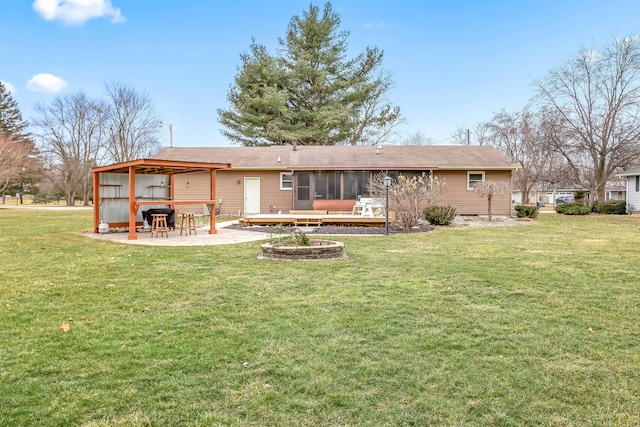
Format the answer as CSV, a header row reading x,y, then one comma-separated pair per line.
x,y
470,202
230,189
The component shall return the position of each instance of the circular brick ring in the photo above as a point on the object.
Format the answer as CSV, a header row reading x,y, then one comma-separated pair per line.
x,y
317,250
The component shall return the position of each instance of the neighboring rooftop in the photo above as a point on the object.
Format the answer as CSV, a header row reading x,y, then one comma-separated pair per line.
x,y
630,172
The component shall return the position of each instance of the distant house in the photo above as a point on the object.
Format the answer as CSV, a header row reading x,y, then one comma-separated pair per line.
x,y
632,177
282,178
544,195
614,191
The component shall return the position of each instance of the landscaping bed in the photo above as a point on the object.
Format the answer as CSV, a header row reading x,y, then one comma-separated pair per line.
x,y
394,228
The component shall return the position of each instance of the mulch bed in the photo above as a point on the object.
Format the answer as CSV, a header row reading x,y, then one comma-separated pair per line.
x,y
394,228
337,230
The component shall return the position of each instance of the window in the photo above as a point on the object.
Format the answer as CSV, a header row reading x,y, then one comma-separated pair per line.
x,y
356,184
286,181
474,177
327,185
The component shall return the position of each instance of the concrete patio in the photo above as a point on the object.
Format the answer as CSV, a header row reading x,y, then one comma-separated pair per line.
x,y
224,236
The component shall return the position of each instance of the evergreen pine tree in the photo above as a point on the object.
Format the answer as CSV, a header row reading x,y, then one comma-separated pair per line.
x,y
310,91
11,123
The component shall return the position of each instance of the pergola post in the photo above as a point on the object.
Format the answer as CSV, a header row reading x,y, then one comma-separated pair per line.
x,y
132,204
212,227
96,201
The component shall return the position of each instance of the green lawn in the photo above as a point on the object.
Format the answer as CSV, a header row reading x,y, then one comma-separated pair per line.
x,y
510,326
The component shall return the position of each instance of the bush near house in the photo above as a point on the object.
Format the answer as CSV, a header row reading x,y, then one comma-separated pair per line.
x,y
618,207
527,211
440,215
573,209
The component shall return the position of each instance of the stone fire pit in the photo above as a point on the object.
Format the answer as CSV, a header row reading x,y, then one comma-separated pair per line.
x,y
318,249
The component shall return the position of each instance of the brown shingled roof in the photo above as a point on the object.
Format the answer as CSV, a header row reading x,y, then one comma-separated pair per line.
x,y
345,157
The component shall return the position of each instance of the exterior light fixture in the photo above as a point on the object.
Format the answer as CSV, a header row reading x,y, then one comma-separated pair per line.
x,y
160,125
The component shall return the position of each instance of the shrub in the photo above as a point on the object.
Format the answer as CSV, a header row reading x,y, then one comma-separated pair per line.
x,y
526,211
573,209
409,197
580,195
280,236
618,207
440,215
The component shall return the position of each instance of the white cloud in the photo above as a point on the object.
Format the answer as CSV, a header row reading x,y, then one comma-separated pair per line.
x,y
77,12
9,87
45,82
373,25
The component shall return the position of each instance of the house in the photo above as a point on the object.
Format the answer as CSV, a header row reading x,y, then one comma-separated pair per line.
x,y
615,190
544,195
632,177
278,179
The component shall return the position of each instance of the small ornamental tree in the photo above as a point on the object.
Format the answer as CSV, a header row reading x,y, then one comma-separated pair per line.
x,y
409,197
490,189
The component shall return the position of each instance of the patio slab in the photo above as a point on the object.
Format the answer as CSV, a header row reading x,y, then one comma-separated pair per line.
x,y
224,236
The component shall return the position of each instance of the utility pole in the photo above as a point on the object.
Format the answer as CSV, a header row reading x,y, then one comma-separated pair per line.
x,y
468,137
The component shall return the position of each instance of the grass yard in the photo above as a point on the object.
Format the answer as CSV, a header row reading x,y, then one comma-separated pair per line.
x,y
508,326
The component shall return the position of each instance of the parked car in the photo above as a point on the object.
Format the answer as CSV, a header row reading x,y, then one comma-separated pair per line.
x,y
565,199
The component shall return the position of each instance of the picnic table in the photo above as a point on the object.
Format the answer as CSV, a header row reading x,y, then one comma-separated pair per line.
x,y
368,207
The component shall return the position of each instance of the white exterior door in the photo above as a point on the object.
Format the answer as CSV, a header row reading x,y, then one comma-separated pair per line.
x,y
251,195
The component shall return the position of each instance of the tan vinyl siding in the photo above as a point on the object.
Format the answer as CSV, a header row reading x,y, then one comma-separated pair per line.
x,y
230,188
272,199
199,189
469,202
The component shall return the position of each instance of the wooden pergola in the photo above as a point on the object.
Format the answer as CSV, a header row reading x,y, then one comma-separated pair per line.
x,y
158,167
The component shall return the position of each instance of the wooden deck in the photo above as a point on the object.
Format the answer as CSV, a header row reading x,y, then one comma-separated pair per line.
x,y
307,219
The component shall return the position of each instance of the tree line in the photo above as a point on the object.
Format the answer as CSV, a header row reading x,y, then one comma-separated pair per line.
x,y
74,133
581,127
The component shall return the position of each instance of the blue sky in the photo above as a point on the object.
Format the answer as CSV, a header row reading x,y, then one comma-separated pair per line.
x,y
454,63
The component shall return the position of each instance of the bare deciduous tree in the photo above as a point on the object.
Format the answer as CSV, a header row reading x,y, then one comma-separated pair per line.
x,y
489,189
15,158
416,138
461,136
521,136
409,197
51,186
71,130
131,124
595,100
479,135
